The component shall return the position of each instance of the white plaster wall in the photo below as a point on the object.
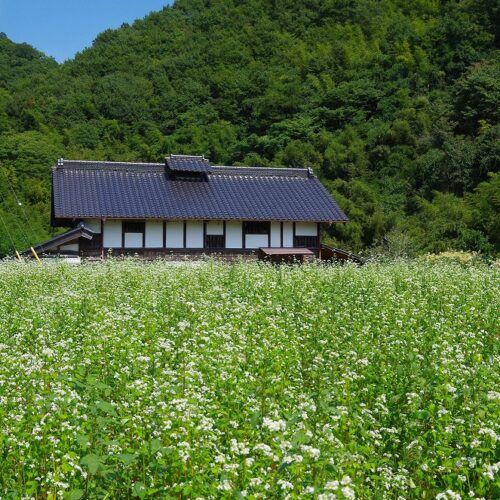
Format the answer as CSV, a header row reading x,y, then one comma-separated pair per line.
x,y
194,234
215,227
256,240
234,230
175,234
287,234
305,229
93,224
133,240
154,234
275,234
112,237
73,247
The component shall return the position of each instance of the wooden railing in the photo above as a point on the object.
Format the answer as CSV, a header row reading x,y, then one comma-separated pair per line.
x,y
332,253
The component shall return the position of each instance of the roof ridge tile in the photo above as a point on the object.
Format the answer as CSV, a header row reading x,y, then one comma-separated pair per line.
x,y
64,164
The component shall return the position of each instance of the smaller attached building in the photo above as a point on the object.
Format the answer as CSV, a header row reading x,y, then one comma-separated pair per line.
x,y
186,206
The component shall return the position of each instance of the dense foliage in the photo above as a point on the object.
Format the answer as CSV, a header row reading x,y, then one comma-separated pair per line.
x,y
394,104
224,381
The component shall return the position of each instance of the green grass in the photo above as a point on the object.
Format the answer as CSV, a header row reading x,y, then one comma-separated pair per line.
x,y
128,379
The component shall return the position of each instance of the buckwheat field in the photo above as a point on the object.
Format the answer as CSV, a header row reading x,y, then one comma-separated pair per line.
x,y
124,379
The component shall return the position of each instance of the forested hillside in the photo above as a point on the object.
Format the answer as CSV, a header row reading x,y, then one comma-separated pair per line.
x,y
394,104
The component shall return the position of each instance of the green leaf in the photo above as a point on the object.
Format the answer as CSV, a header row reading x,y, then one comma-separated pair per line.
x,y
31,487
106,408
154,445
300,437
92,381
103,386
284,466
127,458
255,419
330,468
92,462
139,490
75,494
83,440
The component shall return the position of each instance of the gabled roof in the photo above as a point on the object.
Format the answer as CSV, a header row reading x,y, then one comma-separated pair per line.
x,y
80,231
90,189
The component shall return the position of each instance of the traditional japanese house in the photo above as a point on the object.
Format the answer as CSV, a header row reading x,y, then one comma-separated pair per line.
x,y
186,206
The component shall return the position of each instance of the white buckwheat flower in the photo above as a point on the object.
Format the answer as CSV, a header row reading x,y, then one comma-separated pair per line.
x,y
348,492
274,425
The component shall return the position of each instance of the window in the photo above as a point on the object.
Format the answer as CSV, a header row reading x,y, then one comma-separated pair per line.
x,y
214,241
306,242
256,234
257,227
134,226
133,234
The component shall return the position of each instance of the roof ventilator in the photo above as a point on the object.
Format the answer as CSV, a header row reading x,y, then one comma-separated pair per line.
x,y
188,168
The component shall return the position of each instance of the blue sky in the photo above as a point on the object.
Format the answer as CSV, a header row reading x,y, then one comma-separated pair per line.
x,y
61,28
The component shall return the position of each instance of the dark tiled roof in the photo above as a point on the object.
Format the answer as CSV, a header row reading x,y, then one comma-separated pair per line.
x,y
86,189
182,163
